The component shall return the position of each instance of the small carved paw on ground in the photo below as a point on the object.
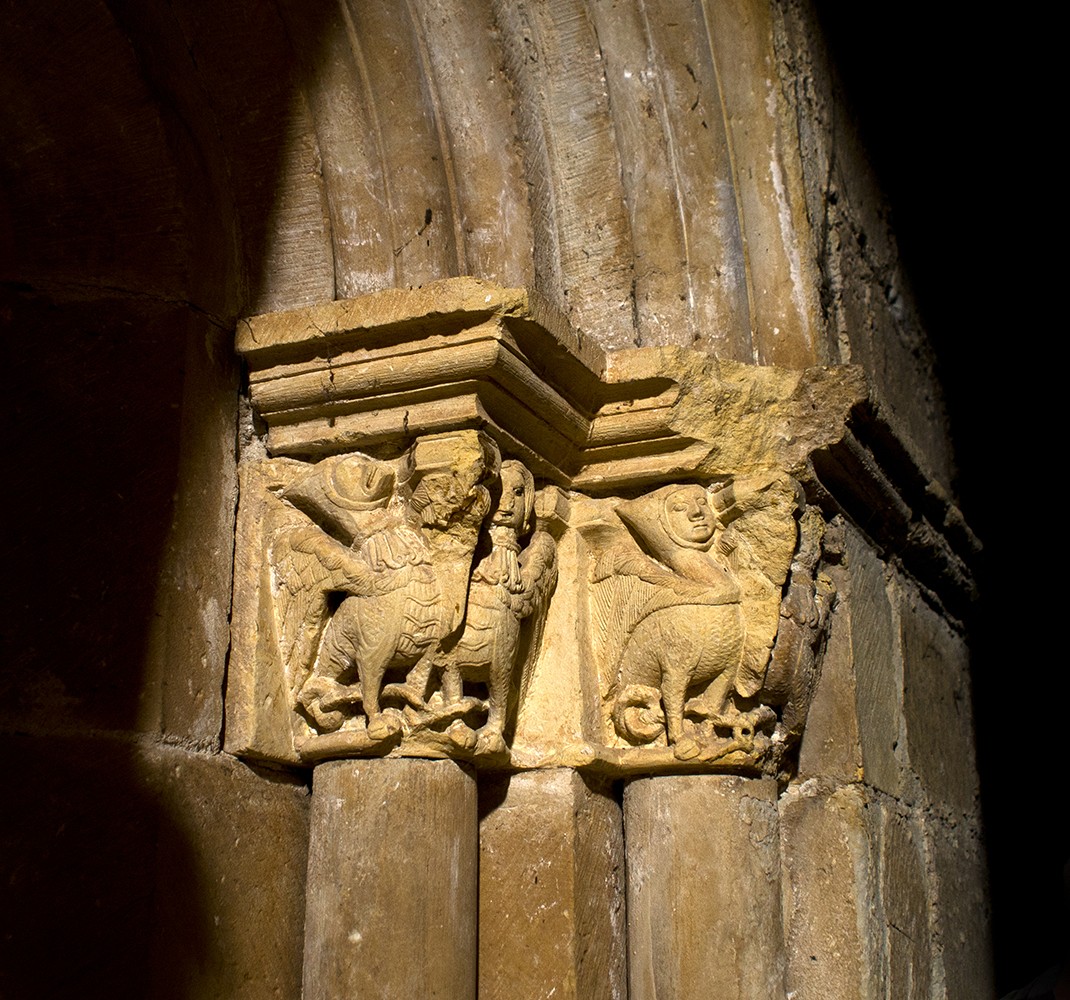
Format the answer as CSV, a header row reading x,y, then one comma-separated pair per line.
x,y
491,742
685,748
383,726
462,736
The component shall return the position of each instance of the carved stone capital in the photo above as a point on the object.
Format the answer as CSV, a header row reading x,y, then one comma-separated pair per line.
x,y
476,535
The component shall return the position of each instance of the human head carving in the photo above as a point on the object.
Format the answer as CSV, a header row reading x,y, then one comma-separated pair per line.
x,y
517,502
687,517
670,519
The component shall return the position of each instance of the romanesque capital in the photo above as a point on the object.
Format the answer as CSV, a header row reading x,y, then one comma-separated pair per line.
x,y
472,534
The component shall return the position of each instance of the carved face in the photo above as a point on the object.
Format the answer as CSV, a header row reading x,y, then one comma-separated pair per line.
x,y
360,482
438,498
516,497
689,516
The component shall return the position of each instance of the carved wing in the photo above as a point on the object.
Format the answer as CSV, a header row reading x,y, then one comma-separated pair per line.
x,y
307,565
538,569
758,544
761,532
626,587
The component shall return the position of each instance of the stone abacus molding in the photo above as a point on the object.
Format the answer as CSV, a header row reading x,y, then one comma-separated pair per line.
x,y
476,535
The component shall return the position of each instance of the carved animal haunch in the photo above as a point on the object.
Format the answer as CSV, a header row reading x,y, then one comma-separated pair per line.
x,y
384,628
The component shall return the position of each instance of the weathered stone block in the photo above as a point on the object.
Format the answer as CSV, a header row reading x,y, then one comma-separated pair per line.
x,y
877,683
230,877
703,888
149,870
937,707
392,881
832,922
551,889
906,898
963,932
830,744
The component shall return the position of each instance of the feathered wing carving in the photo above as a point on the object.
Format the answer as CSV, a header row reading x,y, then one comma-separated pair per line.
x,y
759,542
307,566
685,604
372,579
659,635
354,588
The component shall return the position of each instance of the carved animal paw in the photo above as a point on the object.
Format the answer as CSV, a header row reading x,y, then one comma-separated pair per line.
x,y
685,748
490,742
382,727
462,736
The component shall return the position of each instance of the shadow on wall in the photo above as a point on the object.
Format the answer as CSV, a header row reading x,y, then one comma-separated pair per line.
x,y
978,286
139,172
94,411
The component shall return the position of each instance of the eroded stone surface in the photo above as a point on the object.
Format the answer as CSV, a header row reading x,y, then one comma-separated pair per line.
x,y
878,684
704,914
962,910
385,367
905,897
551,888
937,706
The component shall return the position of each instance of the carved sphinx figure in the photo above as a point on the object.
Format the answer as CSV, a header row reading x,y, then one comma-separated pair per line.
x,y
686,609
380,618
510,585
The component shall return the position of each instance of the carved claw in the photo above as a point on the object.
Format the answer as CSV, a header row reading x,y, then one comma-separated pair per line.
x,y
382,727
685,748
462,736
490,741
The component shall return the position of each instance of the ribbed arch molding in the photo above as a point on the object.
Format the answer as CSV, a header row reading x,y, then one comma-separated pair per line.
x,y
634,162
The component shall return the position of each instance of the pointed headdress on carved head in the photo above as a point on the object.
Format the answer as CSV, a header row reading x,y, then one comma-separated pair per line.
x,y
339,492
673,517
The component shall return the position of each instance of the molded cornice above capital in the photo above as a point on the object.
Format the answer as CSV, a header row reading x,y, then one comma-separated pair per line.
x,y
371,373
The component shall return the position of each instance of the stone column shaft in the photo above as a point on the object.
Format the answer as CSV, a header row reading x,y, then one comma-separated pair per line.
x,y
551,889
703,888
392,881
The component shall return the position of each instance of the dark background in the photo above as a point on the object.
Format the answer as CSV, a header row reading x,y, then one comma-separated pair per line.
x,y
954,110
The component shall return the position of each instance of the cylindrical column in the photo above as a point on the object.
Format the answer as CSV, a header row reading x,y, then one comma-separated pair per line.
x,y
392,881
703,888
551,888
